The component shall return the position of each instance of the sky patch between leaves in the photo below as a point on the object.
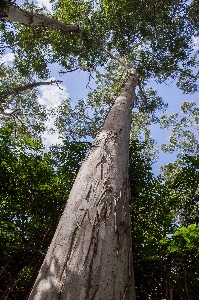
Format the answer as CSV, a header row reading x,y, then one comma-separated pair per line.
x,y
44,3
51,97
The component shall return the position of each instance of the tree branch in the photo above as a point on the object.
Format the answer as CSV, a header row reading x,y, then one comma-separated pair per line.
x,y
14,13
126,66
99,74
19,89
8,114
64,72
141,90
187,73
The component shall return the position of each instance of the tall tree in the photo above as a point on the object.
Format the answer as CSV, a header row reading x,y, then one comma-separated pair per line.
x,y
81,253
91,253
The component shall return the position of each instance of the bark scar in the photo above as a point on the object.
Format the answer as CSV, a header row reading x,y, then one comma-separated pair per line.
x,y
92,297
125,291
93,244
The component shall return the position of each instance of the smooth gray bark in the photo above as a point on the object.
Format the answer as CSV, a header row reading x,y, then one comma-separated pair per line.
x,y
90,256
23,88
16,14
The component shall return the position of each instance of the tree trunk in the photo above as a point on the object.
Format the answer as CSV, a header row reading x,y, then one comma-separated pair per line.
x,y
90,256
16,14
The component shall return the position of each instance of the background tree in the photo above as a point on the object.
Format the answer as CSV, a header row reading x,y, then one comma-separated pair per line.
x,y
19,103
165,215
91,254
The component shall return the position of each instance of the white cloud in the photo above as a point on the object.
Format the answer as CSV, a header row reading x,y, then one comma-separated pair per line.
x,y
39,3
195,40
50,139
44,3
7,58
51,96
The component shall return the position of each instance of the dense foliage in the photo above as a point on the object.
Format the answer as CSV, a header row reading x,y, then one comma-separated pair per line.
x,y
155,37
34,188
165,212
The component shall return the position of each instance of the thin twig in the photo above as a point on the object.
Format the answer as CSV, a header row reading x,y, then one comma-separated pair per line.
x,y
4,268
99,74
15,281
141,91
188,74
64,72
126,66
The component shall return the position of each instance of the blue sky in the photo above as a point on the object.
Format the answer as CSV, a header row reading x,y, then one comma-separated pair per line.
x,y
76,82
74,86
174,97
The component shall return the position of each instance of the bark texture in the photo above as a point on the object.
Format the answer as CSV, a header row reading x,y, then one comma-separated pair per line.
x,y
14,13
90,256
